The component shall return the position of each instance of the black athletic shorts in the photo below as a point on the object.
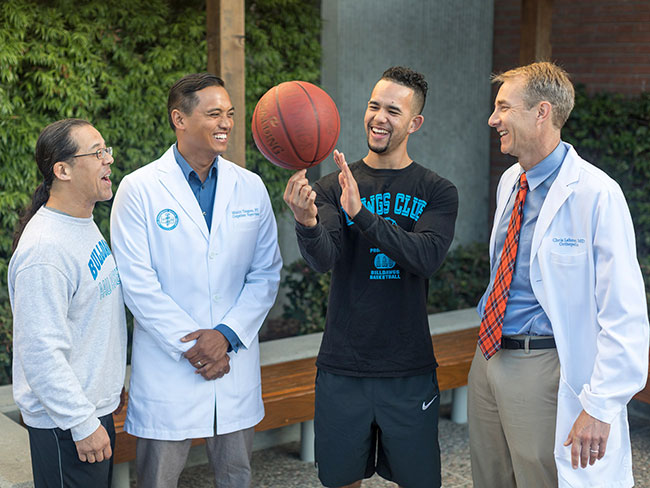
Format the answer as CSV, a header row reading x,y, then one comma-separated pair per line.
x,y
383,425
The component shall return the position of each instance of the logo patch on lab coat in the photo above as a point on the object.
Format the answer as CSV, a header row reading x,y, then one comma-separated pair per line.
x,y
167,219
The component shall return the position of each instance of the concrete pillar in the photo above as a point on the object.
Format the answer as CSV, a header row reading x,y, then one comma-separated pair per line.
x,y
307,441
459,405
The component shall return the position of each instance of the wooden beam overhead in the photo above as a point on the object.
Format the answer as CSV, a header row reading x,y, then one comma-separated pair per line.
x,y
226,41
536,24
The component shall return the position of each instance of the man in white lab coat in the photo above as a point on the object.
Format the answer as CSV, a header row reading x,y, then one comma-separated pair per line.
x,y
563,344
195,240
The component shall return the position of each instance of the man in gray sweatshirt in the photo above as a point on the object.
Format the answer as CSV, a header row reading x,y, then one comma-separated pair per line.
x,y
69,321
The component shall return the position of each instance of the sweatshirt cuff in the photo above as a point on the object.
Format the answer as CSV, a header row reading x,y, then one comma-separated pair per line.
x,y
84,429
308,232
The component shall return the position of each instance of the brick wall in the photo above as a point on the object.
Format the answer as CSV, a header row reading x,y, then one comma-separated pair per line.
x,y
604,44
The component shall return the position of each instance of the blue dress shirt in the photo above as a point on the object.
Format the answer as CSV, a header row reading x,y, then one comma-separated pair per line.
x,y
204,191
524,314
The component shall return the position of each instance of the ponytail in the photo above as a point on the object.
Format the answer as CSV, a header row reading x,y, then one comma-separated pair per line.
x,y
40,197
54,144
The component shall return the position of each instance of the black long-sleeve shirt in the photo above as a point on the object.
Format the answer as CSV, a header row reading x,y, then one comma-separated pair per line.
x,y
376,319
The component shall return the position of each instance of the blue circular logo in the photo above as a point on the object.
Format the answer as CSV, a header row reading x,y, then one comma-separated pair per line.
x,y
167,219
383,262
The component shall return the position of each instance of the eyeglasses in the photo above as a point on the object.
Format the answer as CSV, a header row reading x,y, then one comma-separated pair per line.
x,y
99,154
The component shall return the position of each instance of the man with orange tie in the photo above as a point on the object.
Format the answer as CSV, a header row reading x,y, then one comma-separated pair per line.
x,y
563,342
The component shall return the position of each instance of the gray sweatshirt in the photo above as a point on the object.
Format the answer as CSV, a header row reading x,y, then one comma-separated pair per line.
x,y
69,324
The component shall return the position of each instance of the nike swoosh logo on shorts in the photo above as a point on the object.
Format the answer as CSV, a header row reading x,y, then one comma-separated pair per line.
x,y
426,405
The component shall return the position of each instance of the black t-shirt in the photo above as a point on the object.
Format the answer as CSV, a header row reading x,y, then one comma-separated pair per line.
x,y
376,318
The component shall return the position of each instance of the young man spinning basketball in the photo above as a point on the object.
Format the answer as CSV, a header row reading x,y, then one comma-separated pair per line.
x,y
383,225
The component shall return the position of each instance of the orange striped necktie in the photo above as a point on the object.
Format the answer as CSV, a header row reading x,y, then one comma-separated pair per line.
x,y
489,337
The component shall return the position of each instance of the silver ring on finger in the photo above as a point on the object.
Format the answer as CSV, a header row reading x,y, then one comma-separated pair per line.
x,y
198,363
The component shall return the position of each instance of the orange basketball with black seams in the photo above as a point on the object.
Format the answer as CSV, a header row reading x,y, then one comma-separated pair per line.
x,y
296,125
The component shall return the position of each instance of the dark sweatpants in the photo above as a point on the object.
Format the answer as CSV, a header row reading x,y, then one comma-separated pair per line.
x,y
55,461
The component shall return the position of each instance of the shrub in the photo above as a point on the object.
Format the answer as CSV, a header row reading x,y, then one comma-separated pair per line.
x,y
461,280
613,133
307,296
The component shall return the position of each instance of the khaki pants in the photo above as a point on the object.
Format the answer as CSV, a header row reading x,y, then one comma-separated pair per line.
x,y
512,407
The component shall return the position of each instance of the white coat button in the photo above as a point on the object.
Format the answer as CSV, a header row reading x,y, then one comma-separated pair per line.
x,y
213,255
215,298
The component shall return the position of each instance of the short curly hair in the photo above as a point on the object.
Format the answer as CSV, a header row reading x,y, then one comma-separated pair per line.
x,y
544,81
411,79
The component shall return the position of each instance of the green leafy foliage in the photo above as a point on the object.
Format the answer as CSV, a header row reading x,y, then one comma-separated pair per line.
x,y
109,62
307,293
613,133
461,280
112,62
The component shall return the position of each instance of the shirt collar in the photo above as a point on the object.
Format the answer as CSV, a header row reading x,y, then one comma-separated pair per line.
x,y
187,169
536,175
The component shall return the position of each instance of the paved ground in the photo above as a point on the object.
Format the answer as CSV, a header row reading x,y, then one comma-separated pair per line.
x,y
280,467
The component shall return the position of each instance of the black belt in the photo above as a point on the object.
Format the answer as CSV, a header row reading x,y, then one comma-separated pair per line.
x,y
510,343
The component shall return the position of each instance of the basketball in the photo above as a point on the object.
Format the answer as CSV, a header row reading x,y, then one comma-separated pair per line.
x,y
296,125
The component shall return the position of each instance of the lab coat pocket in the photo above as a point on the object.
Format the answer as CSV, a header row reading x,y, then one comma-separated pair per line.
x,y
245,232
611,471
568,259
250,225
570,272
568,409
245,219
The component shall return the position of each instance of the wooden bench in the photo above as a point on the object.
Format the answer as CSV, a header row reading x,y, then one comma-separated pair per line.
x,y
288,387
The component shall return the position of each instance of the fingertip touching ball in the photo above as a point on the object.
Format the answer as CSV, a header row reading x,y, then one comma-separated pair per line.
x,y
296,125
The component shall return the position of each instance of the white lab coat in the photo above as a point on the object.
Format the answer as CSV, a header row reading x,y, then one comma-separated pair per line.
x,y
177,278
585,274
